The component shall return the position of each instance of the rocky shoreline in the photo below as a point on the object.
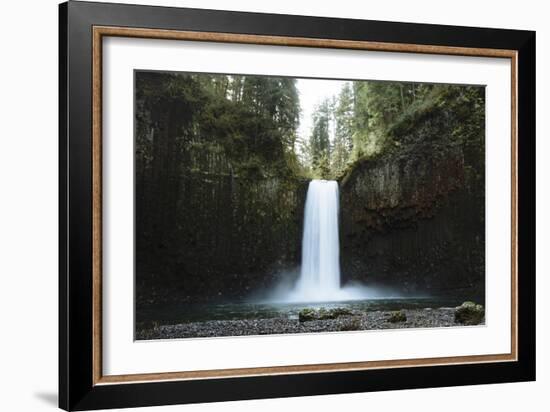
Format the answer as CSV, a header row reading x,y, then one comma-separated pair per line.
x,y
319,322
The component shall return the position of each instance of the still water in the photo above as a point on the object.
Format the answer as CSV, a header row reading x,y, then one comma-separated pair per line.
x,y
184,313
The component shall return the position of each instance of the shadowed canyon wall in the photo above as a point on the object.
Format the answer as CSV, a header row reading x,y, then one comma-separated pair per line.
x,y
226,237
413,217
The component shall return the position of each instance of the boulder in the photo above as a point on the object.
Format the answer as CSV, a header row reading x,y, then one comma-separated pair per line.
x,y
397,316
308,314
469,313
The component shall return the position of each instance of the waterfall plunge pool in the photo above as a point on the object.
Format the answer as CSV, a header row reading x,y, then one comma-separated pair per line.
x,y
200,312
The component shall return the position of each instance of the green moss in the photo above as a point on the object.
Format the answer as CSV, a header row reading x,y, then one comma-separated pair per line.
x,y
306,315
397,317
469,313
337,312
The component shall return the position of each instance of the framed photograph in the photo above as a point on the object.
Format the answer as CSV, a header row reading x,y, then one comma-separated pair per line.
x,y
257,205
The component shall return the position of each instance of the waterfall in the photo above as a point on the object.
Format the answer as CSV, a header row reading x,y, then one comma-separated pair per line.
x,y
320,271
319,279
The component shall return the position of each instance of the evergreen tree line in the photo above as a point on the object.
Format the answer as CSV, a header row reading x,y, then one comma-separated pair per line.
x,y
252,120
359,121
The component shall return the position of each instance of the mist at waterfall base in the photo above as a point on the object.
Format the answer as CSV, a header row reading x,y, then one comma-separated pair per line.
x,y
319,274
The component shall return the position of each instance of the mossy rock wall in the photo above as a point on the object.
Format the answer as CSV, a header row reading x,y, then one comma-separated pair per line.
x,y
413,217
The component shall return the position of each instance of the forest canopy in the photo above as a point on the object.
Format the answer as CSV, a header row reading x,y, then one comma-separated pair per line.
x,y
254,120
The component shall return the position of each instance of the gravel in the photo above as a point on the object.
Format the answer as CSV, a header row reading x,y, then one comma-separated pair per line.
x,y
375,320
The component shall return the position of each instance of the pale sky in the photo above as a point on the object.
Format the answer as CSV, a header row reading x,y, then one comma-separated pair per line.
x,y
312,92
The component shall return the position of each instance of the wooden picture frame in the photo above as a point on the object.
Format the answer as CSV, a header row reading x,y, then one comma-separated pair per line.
x,y
82,384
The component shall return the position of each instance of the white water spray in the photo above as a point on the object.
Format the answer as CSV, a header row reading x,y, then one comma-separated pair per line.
x,y
320,271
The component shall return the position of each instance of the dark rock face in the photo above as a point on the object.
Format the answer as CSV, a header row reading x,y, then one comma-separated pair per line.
x,y
413,218
227,237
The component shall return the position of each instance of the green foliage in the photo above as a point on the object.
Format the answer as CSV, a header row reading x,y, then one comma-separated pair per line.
x,y
378,105
383,113
367,118
343,138
252,119
319,141
466,102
